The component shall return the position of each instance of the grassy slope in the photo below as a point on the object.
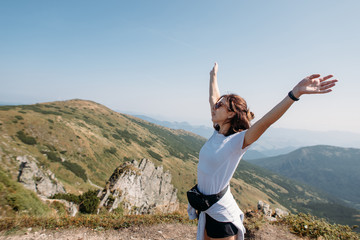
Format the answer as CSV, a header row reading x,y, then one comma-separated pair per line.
x,y
94,139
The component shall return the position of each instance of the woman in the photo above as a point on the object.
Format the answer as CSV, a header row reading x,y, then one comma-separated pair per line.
x,y
221,154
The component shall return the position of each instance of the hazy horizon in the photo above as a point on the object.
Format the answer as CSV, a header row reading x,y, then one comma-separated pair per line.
x,y
164,118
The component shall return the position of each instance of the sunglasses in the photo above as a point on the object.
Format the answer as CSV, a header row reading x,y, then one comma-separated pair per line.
x,y
218,105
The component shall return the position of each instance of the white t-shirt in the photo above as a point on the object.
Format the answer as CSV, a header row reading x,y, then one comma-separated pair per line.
x,y
218,160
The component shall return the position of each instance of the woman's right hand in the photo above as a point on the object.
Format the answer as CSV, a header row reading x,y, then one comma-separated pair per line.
x,y
214,70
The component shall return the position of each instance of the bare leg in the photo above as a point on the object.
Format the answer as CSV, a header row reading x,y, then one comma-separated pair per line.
x,y
227,238
206,236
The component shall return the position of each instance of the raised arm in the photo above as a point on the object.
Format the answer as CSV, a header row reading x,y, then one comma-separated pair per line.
x,y
309,85
214,93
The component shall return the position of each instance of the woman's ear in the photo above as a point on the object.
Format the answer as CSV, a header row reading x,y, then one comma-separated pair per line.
x,y
231,114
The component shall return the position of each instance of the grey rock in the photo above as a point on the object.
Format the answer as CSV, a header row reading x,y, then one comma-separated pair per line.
x,y
264,208
140,188
260,205
280,213
267,211
35,179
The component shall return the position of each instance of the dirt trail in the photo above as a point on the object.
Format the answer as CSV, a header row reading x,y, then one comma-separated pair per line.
x,y
155,232
273,232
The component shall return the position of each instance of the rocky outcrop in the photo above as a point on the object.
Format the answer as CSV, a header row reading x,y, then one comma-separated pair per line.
x,y
269,213
140,188
32,177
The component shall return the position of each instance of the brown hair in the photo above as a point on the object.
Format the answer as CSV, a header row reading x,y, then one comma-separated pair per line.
x,y
242,117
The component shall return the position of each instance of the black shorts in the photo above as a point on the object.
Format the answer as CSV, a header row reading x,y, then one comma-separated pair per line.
x,y
215,229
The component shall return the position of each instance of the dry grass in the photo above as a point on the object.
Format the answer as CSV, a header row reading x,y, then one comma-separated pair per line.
x,y
109,221
309,226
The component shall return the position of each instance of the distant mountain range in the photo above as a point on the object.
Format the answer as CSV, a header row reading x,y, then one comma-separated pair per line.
x,y
275,141
201,130
334,170
9,103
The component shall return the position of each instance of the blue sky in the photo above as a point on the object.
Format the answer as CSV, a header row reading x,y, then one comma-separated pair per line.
x,y
154,57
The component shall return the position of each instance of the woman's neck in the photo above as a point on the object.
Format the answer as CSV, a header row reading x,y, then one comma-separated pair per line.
x,y
224,128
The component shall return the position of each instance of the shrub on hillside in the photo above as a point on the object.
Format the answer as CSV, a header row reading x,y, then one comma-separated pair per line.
x,y
19,117
25,138
126,159
67,196
110,124
127,136
73,167
155,155
111,150
116,136
89,202
53,156
76,169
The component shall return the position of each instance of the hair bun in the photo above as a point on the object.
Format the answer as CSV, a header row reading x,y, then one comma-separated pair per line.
x,y
250,115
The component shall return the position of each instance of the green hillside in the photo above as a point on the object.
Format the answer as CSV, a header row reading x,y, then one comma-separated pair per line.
x,y
93,140
295,196
82,142
334,170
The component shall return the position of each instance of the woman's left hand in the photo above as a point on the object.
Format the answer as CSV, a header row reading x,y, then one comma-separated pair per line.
x,y
314,84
